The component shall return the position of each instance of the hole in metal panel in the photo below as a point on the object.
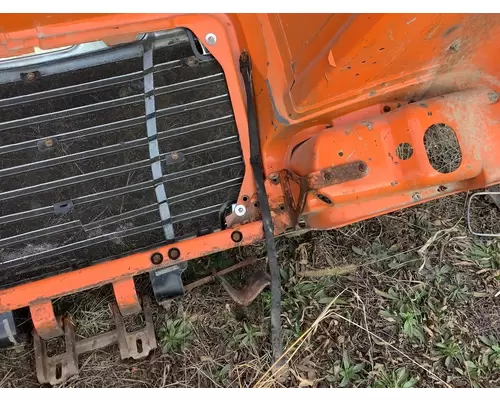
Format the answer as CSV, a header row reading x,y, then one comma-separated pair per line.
x,y
404,151
323,198
442,147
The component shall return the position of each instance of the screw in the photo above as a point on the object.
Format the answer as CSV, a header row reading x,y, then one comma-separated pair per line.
x,y
236,236
240,210
416,196
156,258
493,96
211,39
174,253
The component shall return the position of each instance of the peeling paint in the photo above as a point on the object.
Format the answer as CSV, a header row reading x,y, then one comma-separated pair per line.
x,y
369,125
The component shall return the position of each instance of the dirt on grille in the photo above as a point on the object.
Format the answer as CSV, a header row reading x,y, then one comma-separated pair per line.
x,y
409,299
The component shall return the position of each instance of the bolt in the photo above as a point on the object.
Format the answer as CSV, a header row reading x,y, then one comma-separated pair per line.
x,y
192,62
493,96
236,236
240,210
174,253
156,258
416,196
275,179
175,156
49,142
211,39
30,76
387,109
362,167
328,176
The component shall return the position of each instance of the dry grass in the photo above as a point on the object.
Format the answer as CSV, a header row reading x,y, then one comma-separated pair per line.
x,y
406,299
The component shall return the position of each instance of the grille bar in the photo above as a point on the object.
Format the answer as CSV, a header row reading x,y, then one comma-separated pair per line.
x,y
49,210
111,171
81,88
39,233
106,237
101,129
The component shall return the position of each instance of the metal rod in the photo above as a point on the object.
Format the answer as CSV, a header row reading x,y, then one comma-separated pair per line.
x,y
23,237
226,271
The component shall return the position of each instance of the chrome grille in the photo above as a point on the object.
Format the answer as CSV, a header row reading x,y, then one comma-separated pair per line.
x,y
111,152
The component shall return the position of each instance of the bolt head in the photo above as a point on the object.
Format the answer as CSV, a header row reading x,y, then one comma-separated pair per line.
x,y
493,97
240,210
211,39
416,196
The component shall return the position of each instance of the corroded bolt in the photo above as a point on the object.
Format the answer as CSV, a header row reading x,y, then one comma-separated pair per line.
x,y
236,236
174,253
156,258
493,96
416,196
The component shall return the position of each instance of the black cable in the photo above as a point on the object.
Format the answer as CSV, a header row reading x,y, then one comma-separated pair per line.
x,y
201,57
267,222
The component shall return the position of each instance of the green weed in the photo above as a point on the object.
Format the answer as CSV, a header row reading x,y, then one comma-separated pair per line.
x,y
397,378
175,334
248,337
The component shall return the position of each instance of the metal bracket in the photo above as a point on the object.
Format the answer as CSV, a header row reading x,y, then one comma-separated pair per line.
x,y
167,282
57,369
8,333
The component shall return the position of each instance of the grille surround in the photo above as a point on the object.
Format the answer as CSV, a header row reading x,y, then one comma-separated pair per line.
x,y
197,145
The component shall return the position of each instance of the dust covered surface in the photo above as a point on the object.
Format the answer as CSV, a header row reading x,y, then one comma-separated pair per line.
x,y
413,306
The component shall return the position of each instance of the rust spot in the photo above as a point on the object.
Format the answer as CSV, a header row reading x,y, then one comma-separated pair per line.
x,y
372,93
423,105
336,174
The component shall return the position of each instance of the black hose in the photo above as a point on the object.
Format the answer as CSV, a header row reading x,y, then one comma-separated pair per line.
x,y
267,221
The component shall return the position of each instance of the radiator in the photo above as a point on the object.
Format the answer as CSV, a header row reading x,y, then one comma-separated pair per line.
x,y
112,151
